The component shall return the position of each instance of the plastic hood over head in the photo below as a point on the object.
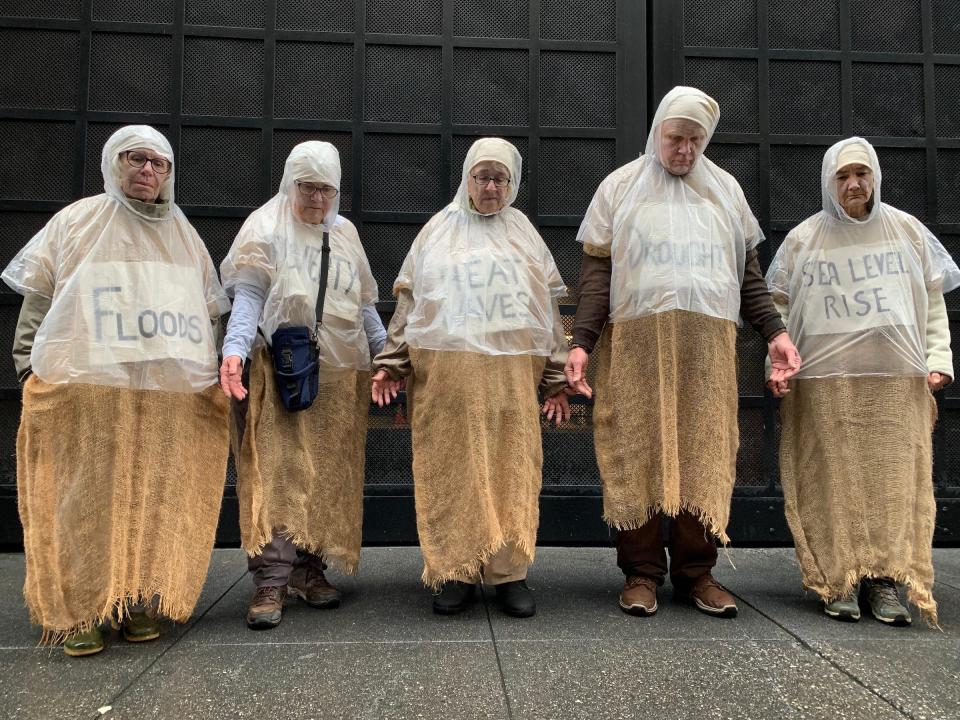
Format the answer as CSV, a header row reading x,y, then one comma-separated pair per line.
x,y
676,242
857,291
281,256
482,283
132,137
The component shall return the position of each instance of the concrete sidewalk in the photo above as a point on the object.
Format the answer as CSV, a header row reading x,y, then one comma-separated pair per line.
x,y
384,654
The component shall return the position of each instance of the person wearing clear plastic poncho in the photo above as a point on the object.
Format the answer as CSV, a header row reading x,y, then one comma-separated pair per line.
x,y
477,328
669,264
300,474
860,286
116,345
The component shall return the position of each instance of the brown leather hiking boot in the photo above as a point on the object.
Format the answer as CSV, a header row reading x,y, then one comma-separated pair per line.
x,y
639,596
711,598
266,607
309,584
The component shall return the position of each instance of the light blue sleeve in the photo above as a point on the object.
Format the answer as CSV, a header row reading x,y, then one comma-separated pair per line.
x,y
248,303
373,327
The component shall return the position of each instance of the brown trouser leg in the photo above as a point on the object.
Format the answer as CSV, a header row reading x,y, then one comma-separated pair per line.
x,y
693,550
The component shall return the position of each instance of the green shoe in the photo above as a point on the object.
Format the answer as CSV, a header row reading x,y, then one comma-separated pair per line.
x,y
84,643
140,627
846,608
884,602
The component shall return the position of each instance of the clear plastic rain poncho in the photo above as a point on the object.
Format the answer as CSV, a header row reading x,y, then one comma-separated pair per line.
x,y
132,286
858,289
482,283
281,254
675,242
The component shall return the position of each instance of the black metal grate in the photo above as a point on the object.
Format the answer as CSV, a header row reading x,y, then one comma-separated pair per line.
x,y
575,20
570,171
222,76
795,194
285,140
493,19
811,25
567,253
225,13
135,11
462,143
947,94
751,352
904,179
217,233
26,145
403,84
402,172
952,244
386,245
570,95
903,117
750,455
24,54
946,28
114,87
16,229
720,23
948,185
886,26
733,84
805,97
52,9
568,452
224,168
299,68
743,162
417,17
336,15
948,453
490,87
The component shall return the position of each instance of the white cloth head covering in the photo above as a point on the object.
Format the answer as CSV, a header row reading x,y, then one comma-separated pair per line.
x,y
132,294
858,290
482,283
676,242
132,137
281,255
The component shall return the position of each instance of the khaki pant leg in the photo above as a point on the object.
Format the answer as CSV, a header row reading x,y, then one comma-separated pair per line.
x,y
502,569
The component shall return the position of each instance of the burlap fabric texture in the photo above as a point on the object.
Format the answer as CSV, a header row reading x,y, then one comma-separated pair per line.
x,y
856,467
477,458
119,494
301,473
665,418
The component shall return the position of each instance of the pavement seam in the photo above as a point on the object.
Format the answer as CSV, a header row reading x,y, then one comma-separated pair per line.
x,y
193,623
496,653
807,646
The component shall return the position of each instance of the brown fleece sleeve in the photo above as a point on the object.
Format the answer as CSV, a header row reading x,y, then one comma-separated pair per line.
x,y
395,356
593,305
756,305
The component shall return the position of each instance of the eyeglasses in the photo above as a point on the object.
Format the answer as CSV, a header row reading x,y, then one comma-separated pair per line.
x,y
309,188
483,180
161,166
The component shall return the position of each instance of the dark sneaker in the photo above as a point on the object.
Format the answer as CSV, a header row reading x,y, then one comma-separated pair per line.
x,y
266,607
845,608
140,627
711,598
639,596
881,595
309,584
84,643
453,598
515,599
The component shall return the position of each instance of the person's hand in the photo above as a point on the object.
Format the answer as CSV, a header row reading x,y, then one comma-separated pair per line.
x,y
779,389
383,390
937,381
784,360
231,380
556,407
576,372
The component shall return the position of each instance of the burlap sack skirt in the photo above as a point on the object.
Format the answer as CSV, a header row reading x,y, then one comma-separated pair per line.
x,y
856,467
301,473
665,419
119,495
477,458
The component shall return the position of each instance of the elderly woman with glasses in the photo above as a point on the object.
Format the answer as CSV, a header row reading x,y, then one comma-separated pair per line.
x,y
300,474
116,346
476,330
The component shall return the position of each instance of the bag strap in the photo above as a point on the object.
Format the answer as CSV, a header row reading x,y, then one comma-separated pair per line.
x,y
324,270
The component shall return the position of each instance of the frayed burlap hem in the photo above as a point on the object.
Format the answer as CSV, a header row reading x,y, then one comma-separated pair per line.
x,y
333,560
118,609
469,571
634,522
917,594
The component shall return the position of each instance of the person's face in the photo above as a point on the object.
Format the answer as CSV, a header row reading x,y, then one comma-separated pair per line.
x,y
681,142
142,183
487,197
310,201
854,188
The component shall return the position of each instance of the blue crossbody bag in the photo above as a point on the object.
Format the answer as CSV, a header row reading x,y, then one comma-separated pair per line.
x,y
295,352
